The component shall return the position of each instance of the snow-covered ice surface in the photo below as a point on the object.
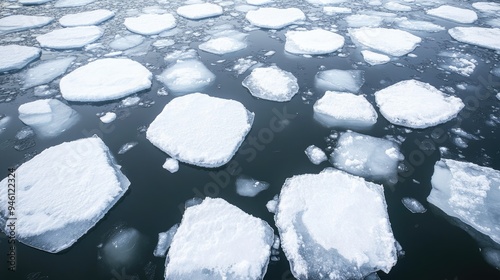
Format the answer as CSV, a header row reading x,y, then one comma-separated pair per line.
x,y
315,154
72,3
71,37
366,156
468,192
247,186
271,83
364,20
15,57
340,80
334,225
186,76
48,117
413,205
200,11
171,164
416,104
65,191
14,23
259,2
453,13
46,71
105,79
217,240
164,241
86,18
275,18
150,24
374,58
330,10
389,41
480,36
223,45
201,130
343,109
418,25
108,117
317,41
487,7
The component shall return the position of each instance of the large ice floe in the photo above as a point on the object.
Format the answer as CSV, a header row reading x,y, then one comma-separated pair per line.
x,y
63,192
317,41
186,76
334,226
271,83
46,71
14,23
48,117
416,104
200,11
389,41
468,192
71,37
275,18
480,36
239,245
340,80
150,24
366,156
201,130
105,79
15,57
455,14
86,18
343,109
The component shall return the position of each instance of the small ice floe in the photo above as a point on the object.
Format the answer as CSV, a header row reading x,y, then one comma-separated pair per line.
x,y
94,17
105,79
127,147
313,42
259,2
223,45
329,10
14,23
479,36
72,3
355,21
33,2
164,241
46,71
65,190
246,186
374,58
15,57
171,165
130,101
200,11
325,2
418,25
392,42
340,80
272,204
275,18
397,7
415,104
460,63
489,8
452,13
163,43
271,83
108,117
150,24
70,38
186,76
242,65
413,205
315,154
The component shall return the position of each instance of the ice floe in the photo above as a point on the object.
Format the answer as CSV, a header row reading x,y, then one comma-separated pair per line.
x,y
374,58
124,247
487,7
452,13
108,117
315,154
186,76
246,186
201,130
413,205
317,41
150,24
65,191
223,45
164,241
200,11
259,2
33,2
275,18
105,79
171,165
14,23
364,20
457,62
127,147
15,57
389,41
479,36
418,25
46,71
397,7
86,18
271,83
416,104
333,225
71,37
72,3
336,10
340,80
122,43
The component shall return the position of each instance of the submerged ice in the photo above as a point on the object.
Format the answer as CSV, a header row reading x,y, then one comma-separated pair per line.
x,y
14,23
247,186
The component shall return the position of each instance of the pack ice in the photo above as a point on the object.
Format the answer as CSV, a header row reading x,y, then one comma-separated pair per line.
x,y
275,18
186,76
389,41
480,36
468,192
317,41
217,240
366,156
455,14
343,109
46,71
415,104
14,23
200,11
63,192
48,117
150,24
334,226
86,18
201,130
71,37
105,79
15,57
271,83
340,80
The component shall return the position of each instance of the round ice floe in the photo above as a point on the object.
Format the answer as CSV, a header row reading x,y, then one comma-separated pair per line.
x,y
150,24
223,45
69,38
86,18
271,83
364,20
200,11
374,58
275,18
15,23
480,36
201,130
15,57
186,76
316,41
105,79
455,14
389,41
416,104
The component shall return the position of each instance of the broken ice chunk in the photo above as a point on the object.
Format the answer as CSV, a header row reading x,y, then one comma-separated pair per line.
x,y
452,13
315,154
463,64
15,57
246,186
201,130
374,58
186,76
340,80
272,204
171,164
389,41
46,71
150,24
126,147
397,7
242,242
271,83
71,37
259,2
94,17
479,36
275,18
200,11
14,23
65,191
334,225
164,241
108,117
317,41
413,205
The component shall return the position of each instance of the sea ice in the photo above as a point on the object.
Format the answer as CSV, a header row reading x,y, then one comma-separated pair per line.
x,y
246,186
415,104
259,2
317,41
315,154
271,83
14,23
171,164
201,130
397,7
325,2
480,36
468,192
122,43
71,37
242,65
275,18
364,20
366,156
164,241
65,191
46,71
223,45
457,62
272,204
389,41
86,18
455,14
124,247
200,11
72,3
413,205
487,7
130,101
15,57
127,147
186,76
374,58
33,2
48,117
105,79
242,244
150,24
336,10
340,80
108,117
418,25
334,225
343,109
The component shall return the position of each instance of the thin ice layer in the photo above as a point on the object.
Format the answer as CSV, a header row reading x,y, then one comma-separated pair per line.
x,y
200,11
15,57
317,41
201,130
334,226
275,18
14,23
217,240
71,37
479,36
186,76
63,192
389,41
271,83
46,71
